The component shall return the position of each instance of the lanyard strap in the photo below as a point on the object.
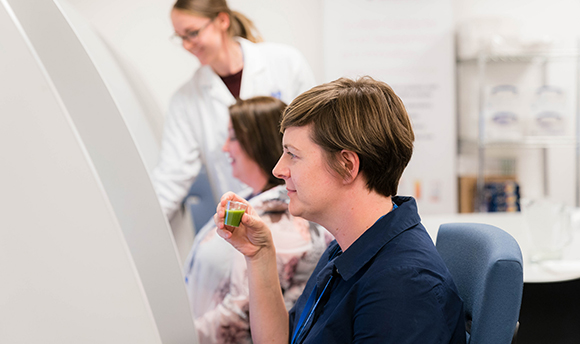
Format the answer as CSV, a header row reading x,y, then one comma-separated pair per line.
x,y
305,317
302,323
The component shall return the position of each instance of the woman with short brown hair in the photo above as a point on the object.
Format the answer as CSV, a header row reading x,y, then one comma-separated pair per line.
x,y
346,144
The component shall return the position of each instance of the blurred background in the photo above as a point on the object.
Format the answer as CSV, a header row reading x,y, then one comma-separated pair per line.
x,y
137,33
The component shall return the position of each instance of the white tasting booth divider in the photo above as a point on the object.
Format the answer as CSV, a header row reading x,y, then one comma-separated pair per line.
x,y
141,113
144,118
67,273
119,171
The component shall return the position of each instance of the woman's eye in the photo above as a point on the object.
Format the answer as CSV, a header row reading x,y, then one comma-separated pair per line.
x,y
292,156
233,138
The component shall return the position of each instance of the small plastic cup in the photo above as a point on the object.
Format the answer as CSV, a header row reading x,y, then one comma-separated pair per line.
x,y
234,213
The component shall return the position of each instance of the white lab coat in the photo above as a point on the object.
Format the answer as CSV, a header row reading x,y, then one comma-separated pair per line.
x,y
196,125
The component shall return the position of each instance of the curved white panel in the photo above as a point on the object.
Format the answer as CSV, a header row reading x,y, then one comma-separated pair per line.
x,y
67,273
141,114
117,163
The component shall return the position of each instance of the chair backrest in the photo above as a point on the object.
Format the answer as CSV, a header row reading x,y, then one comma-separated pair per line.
x,y
486,265
200,200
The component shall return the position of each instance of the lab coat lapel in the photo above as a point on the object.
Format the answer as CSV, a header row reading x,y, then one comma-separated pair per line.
x,y
254,68
215,87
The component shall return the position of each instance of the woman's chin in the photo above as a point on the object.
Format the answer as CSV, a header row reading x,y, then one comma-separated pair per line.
x,y
239,177
202,59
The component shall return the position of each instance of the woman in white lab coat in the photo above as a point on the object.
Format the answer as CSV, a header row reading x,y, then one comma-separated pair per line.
x,y
233,65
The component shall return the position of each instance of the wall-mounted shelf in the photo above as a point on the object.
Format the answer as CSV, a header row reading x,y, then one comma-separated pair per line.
x,y
482,144
520,58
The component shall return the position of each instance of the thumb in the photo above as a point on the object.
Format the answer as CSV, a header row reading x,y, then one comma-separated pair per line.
x,y
250,220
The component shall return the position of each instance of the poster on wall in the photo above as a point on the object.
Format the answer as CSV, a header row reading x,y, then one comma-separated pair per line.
x,y
409,45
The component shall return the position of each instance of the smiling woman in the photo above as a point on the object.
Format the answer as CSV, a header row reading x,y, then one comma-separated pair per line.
x,y
190,35
254,136
213,45
216,276
234,65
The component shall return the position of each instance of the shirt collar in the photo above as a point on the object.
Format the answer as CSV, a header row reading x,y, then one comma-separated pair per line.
x,y
377,236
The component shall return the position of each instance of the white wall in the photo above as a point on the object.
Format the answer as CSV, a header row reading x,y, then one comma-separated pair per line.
x,y
553,17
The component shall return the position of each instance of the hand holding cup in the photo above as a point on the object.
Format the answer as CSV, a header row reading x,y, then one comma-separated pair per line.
x,y
239,224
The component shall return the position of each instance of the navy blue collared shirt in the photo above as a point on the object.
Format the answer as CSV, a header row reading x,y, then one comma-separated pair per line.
x,y
389,286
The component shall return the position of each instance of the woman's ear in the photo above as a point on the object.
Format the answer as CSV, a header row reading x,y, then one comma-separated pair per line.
x,y
223,20
351,163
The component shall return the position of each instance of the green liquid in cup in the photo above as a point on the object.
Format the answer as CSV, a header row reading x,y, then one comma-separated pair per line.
x,y
234,217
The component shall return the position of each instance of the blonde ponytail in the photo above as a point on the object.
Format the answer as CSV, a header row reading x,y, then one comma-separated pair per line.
x,y
243,27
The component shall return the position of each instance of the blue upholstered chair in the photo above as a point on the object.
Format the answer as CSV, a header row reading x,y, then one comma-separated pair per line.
x,y
200,200
486,265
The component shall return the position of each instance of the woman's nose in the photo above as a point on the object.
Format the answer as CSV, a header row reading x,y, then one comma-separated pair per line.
x,y
225,147
187,44
280,171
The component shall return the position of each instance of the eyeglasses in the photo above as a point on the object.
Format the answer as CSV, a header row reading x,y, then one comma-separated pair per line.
x,y
189,36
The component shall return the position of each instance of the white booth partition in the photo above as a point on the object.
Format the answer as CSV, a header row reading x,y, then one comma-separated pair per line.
x,y
86,254
142,115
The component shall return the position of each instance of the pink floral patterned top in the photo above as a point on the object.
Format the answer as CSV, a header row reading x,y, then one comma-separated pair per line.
x,y
215,273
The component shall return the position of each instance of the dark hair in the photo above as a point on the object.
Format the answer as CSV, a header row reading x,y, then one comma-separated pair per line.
x,y
364,116
256,124
240,25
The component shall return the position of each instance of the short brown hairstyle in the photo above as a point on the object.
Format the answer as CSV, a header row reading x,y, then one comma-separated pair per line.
x,y
256,124
364,116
